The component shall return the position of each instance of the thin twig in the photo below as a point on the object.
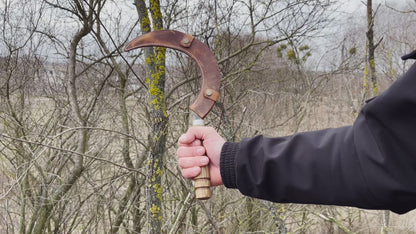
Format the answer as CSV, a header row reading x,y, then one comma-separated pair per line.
x,y
73,152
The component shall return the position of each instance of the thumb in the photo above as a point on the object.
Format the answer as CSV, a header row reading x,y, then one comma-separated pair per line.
x,y
194,133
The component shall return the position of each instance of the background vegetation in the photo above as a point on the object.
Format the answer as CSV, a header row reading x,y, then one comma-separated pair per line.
x,y
88,133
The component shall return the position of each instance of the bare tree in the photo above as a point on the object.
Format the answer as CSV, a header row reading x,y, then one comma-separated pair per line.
x,y
155,79
370,76
83,130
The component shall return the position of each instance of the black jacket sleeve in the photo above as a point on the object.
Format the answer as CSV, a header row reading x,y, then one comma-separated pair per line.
x,y
371,164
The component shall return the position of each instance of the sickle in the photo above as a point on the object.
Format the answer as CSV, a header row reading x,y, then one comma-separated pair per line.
x,y
205,59
209,92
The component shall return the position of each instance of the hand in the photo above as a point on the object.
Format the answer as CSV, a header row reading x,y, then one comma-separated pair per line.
x,y
193,146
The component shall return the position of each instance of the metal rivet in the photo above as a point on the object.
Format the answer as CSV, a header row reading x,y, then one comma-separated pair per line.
x,y
208,92
185,41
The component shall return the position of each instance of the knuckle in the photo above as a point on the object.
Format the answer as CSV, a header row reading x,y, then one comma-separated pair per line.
x,y
196,142
178,153
182,163
181,152
199,151
185,174
189,173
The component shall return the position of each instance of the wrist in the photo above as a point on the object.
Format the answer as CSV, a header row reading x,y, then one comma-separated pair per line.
x,y
227,164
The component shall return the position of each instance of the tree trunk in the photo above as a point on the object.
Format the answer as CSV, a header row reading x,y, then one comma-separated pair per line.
x,y
155,79
82,144
372,77
385,221
370,70
157,140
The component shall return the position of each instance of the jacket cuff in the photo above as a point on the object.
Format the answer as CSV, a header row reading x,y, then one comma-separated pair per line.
x,y
227,164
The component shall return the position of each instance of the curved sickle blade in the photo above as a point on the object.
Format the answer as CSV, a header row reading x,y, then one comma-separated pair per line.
x,y
205,59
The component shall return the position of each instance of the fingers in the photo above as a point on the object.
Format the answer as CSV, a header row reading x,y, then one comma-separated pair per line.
x,y
191,158
196,132
190,173
196,142
190,151
197,161
186,139
198,147
191,166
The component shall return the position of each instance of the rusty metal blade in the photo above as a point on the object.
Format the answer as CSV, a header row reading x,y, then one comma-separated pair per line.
x,y
200,52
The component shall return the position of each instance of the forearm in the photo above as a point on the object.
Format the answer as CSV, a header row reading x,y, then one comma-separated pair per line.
x,y
305,168
371,164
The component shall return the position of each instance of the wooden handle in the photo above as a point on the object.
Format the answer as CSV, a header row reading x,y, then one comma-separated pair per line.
x,y
202,184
